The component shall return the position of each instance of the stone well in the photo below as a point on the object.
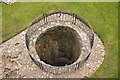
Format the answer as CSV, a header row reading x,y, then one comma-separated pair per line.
x,y
59,42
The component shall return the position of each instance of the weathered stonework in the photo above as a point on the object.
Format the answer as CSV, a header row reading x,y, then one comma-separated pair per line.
x,y
16,62
22,66
52,20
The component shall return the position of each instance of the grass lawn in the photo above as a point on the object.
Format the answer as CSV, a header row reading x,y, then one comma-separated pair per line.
x,y
103,18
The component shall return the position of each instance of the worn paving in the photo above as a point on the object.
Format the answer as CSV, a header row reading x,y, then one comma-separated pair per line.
x,y
16,62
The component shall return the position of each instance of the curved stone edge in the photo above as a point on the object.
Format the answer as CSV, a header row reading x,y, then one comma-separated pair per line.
x,y
95,59
59,19
58,70
16,62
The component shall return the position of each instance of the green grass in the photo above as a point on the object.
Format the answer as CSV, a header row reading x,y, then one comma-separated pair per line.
x,y
103,18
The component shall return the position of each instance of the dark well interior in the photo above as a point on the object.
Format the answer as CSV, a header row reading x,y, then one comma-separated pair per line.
x,y
58,46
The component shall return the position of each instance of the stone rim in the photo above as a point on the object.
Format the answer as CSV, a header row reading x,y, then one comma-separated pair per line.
x,y
41,63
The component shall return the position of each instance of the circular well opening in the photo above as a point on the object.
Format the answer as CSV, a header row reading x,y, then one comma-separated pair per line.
x,y
58,46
